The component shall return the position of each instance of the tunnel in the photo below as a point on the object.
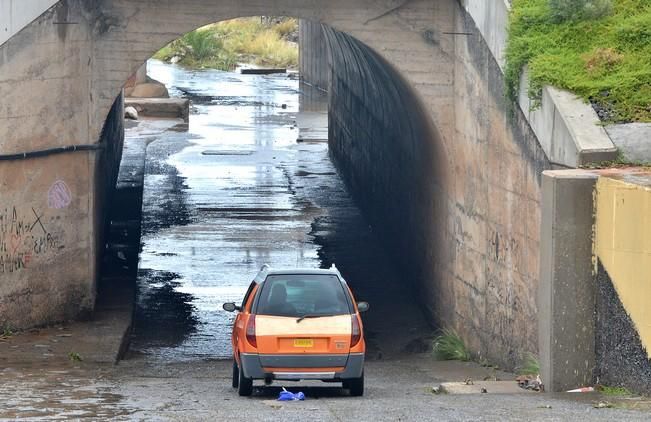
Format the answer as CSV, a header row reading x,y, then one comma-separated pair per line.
x,y
201,244
445,174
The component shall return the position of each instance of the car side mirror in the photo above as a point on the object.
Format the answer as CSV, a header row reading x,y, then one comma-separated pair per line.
x,y
230,307
363,306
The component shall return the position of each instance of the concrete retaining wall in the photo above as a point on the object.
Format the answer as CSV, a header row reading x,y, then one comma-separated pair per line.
x,y
313,54
623,249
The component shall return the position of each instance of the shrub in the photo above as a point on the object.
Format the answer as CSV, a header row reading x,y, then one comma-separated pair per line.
x,y
575,10
286,27
202,44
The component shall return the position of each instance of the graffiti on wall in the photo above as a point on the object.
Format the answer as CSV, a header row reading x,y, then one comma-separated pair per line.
x,y
59,195
23,237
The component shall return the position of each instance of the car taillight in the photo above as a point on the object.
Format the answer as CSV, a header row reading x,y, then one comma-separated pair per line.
x,y
356,332
250,332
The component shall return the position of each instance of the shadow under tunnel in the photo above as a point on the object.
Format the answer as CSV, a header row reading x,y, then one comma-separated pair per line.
x,y
392,159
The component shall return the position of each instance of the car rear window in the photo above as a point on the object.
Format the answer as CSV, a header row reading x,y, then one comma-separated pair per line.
x,y
296,295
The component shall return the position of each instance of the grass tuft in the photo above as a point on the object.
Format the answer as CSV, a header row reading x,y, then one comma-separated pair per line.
x,y
603,57
615,391
6,332
529,365
74,357
449,346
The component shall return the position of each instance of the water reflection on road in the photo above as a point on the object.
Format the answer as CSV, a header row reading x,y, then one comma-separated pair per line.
x,y
219,202
237,191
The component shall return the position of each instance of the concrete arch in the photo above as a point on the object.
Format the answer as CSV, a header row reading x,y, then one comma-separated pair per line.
x,y
475,209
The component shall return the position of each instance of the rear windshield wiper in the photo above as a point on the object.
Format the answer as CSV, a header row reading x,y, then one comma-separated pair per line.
x,y
311,316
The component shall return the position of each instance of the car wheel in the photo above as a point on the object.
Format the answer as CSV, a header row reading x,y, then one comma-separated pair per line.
x,y
236,374
245,385
356,386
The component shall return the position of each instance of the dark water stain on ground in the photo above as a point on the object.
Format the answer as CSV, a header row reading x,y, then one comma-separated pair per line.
x,y
164,317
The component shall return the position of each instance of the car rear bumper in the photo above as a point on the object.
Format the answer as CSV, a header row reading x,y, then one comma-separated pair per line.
x,y
307,366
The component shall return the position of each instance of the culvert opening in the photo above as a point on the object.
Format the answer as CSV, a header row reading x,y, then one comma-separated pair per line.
x,y
252,182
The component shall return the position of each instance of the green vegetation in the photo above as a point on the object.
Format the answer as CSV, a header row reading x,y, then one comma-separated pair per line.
x,y
619,161
74,357
225,44
449,346
6,332
615,391
529,365
598,49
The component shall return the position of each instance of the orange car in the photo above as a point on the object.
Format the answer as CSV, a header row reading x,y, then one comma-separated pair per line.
x,y
298,325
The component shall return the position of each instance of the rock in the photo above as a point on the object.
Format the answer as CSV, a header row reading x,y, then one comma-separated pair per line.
x,y
175,59
131,113
150,90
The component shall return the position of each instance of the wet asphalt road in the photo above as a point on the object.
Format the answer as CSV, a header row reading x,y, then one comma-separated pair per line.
x,y
396,390
236,191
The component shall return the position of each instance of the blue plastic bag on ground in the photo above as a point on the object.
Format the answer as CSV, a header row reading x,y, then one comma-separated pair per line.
x,y
289,396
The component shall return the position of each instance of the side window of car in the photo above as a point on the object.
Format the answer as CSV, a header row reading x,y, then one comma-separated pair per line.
x,y
248,294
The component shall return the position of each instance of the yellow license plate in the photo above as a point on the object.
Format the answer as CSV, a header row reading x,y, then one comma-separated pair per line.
x,y
303,342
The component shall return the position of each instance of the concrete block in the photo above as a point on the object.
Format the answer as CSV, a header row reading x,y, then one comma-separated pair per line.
x,y
633,140
485,387
582,124
566,296
160,107
568,130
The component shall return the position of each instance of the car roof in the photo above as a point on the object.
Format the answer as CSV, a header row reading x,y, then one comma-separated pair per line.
x,y
266,270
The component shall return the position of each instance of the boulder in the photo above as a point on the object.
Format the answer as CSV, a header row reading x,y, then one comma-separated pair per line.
x,y
150,90
131,113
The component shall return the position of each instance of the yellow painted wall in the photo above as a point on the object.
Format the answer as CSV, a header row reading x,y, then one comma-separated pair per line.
x,y
623,244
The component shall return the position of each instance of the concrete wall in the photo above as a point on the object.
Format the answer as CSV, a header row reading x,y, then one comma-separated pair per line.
x,y
48,222
426,144
623,249
313,54
459,200
567,289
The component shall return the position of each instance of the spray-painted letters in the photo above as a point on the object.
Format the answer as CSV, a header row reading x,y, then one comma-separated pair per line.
x,y
23,236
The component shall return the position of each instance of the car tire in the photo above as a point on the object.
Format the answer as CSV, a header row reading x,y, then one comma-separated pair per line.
x,y
245,385
356,386
236,374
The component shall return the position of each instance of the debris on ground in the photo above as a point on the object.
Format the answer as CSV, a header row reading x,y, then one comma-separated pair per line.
x,y
289,396
468,381
437,389
603,405
582,390
530,382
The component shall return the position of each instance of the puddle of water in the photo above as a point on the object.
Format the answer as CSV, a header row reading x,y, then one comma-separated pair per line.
x,y
218,204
